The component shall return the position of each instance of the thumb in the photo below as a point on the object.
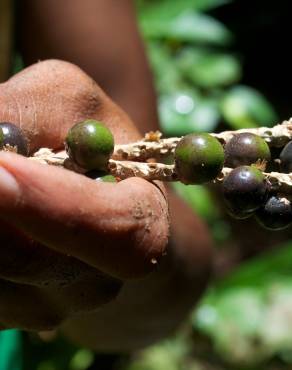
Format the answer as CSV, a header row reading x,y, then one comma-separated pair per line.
x,y
121,229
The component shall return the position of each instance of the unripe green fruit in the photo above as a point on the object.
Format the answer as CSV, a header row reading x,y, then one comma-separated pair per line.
x,y
276,214
246,149
90,144
244,190
11,135
199,158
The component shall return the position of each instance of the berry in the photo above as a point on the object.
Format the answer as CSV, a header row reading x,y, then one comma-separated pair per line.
x,y
276,214
244,190
199,158
286,158
245,149
90,144
12,137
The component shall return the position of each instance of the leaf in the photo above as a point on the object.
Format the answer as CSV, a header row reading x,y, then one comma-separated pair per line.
x,y
167,76
168,354
209,69
248,314
199,199
187,26
244,107
186,111
204,5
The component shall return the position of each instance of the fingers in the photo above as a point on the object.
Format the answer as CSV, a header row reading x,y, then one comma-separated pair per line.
x,y
157,305
25,261
48,98
86,295
120,229
44,308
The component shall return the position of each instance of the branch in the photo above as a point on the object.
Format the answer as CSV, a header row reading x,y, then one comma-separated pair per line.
x,y
152,146
280,182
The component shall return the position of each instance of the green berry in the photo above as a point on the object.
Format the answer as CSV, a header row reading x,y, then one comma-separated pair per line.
x,y
90,144
276,214
244,190
245,149
12,136
199,158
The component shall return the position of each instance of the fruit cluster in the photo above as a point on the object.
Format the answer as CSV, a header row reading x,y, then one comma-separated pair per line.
x,y
198,159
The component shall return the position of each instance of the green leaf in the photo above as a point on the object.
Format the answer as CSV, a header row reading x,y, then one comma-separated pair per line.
x,y
168,8
187,26
167,76
244,107
204,5
168,354
199,199
186,111
209,69
82,359
248,314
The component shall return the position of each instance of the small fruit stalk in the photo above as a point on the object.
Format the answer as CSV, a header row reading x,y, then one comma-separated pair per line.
x,y
235,159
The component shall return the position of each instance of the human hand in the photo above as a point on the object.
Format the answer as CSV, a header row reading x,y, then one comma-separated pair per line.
x,y
68,244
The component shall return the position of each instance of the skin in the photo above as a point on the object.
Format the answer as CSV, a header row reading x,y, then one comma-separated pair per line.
x,y
103,264
101,37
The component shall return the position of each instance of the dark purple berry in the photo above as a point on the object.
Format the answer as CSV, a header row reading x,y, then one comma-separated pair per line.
x,y
286,158
244,190
276,214
246,149
199,158
11,137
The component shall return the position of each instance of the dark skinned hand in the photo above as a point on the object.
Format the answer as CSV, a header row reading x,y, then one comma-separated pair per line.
x,y
70,245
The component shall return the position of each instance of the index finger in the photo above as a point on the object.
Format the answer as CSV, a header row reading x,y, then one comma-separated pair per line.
x,y
121,229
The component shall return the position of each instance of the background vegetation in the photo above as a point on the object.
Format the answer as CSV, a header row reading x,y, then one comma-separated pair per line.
x,y
208,79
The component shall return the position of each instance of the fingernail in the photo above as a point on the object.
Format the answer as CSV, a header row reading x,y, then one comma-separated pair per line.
x,y
9,188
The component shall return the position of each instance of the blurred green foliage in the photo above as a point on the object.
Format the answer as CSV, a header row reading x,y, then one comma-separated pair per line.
x,y
248,315
195,72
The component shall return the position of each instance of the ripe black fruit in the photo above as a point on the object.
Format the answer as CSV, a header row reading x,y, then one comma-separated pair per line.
x,y
90,145
199,158
11,136
286,158
245,149
276,214
244,190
